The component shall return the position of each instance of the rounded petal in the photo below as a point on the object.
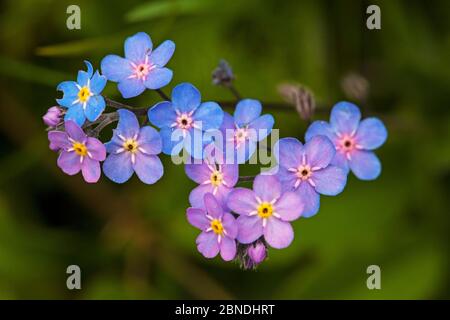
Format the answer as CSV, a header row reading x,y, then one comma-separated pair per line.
x,y
320,128
197,218
288,152
83,78
246,111
319,151
208,115
198,172
287,178
116,68
128,125
94,108
230,225
69,162
74,131
213,207
289,206
161,55
230,174
263,126
158,78
278,234
137,47
69,88
371,133
148,168
242,201
197,195
118,167
310,199
227,123
185,97
365,165
96,149
130,87
345,117
249,229
76,114
194,143
227,248
98,83
58,140
162,114
207,244
267,187
90,169
149,141
340,160
172,141
330,181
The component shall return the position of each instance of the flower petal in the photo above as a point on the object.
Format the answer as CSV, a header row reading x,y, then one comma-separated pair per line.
x,y
288,152
69,88
158,78
197,195
194,143
74,131
230,225
250,229
128,125
162,54
149,140
227,249
58,140
340,160
148,168
96,149
185,97
197,218
310,199
242,201
320,128
287,178
263,126
319,151
69,162
371,133
230,174
246,111
172,141
76,114
289,206
345,118
82,78
330,181
208,115
118,168
365,165
137,47
278,234
267,187
213,207
162,114
94,108
98,83
207,244
90,169
130,87
116,68
198,172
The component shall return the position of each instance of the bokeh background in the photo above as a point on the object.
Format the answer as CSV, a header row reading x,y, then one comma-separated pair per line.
x,y
132,241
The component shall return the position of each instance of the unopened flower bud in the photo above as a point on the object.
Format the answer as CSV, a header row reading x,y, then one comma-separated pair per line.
x,y
301,98
223,75
53,116
257,253
355,87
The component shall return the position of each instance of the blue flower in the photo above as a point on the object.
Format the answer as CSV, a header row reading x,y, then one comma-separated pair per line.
x,y
243,131
82,98
141,68
306,170
353,139
133,149
184,120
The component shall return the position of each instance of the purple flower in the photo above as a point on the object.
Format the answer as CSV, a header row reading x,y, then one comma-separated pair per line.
x,y
77,152
53,116
306,169
212,177
243,131
219,229
353,139
257,253
141,68
184,120
265,211
133,149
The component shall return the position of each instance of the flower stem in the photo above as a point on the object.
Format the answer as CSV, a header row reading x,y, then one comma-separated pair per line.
x,y
163,95
246,178
234,91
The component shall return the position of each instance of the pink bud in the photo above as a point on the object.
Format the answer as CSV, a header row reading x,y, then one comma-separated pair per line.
x,y
257,252
53,116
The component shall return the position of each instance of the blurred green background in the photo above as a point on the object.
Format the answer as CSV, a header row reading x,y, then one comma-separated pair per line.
x,y
133,241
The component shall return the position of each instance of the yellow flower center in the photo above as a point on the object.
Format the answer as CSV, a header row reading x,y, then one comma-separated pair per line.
x,y
216,178
130,145
84,94
217,226
79,148
265,210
